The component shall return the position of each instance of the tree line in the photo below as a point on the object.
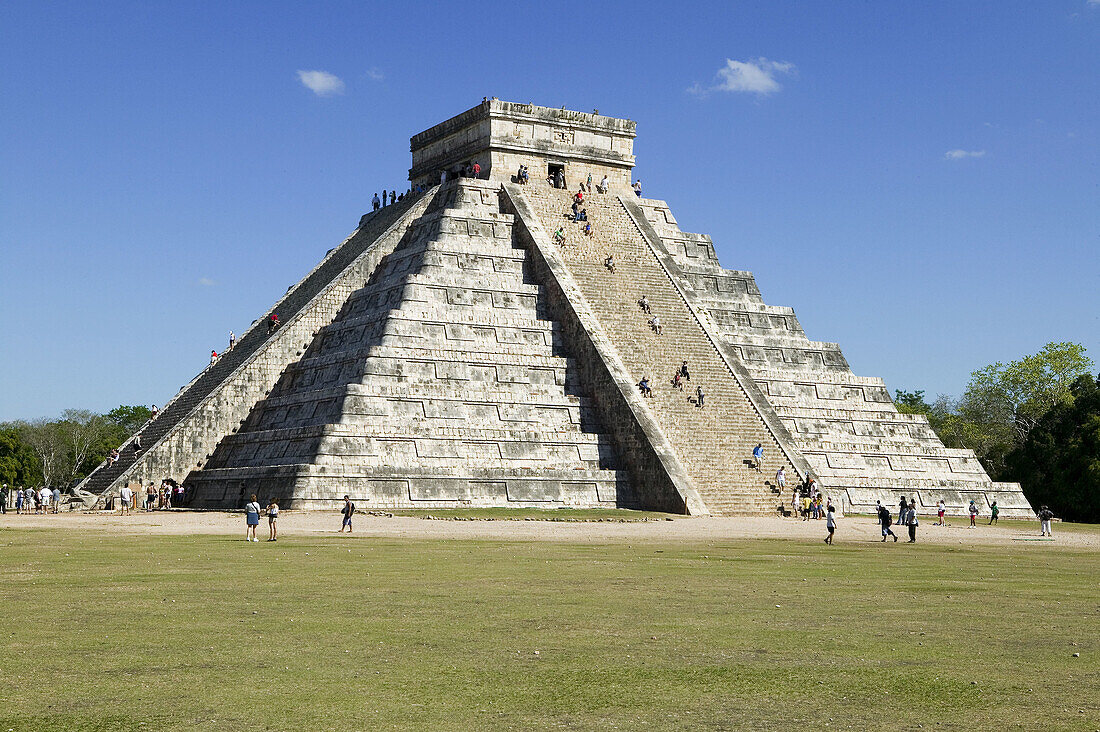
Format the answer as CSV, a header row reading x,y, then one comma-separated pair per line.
x,y
1035,421
62,451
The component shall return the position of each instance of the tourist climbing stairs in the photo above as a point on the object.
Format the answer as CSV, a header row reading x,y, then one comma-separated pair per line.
x,y
714,441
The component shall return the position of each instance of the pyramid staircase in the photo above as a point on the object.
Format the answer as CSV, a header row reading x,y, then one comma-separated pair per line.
x,y
715,441
189,426
441,382
846,426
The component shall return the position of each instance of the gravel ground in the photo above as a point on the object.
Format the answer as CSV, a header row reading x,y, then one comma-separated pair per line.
x,y
860,529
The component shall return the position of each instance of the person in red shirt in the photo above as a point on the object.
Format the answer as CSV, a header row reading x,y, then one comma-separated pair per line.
x,y
477,170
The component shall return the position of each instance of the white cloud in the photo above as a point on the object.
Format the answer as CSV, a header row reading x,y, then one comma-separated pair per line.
x,y
207,282
960,154
756,76
321,83
1094,3
375,74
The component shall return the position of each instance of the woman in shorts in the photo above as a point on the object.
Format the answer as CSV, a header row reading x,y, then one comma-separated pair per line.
x,y
272,518
251,519
941,510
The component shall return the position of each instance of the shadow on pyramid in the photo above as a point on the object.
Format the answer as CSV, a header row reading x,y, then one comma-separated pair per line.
x,y
441,382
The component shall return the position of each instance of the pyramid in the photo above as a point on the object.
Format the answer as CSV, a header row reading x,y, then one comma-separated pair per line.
x,y
470,346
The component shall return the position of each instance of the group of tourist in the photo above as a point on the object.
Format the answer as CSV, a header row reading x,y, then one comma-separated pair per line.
x,y
252,519
393,197
252,513
681,374
153,498
40,500
557,180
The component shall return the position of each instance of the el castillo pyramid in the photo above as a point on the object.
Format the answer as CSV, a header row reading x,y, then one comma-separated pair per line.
x,y
453,352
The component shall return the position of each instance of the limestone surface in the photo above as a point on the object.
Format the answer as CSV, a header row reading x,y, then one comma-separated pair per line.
x,y
475,344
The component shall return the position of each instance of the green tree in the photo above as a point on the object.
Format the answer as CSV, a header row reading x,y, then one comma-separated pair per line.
x,y
128,420
1020,392
1058,463
1002,403
18,465
911,402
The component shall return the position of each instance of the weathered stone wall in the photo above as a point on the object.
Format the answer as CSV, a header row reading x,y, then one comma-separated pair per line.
x,y
440,383
660,479
500,136
215,403
857,444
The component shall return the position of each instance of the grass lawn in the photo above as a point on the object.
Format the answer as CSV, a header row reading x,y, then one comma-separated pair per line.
x,y
108,632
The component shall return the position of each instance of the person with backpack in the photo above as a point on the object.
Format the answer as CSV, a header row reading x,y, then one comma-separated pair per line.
x,y
348,511
993,511
1045,516
884,520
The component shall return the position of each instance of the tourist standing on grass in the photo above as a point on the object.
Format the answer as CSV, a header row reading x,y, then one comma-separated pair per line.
x,y
348,510
1045,517
973,514
911,520
830,524
272,519
993,511
19,500
251,519
884,520
903,508
941,513
55,499
124,497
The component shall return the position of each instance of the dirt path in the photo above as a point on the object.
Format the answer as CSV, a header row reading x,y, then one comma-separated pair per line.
x,y
860,529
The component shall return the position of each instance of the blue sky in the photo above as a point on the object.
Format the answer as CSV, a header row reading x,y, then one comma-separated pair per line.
x,y
918,180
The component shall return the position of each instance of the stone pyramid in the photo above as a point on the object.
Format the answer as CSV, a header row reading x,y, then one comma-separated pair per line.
x,y
453,351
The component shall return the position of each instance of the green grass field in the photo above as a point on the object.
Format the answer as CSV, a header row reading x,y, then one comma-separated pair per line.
x,y
107,632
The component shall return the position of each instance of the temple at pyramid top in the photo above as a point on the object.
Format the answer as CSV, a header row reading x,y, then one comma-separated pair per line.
x,y
500,136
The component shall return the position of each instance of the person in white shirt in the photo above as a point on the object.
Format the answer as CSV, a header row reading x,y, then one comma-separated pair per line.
x,y
830,524
604,185
124,497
